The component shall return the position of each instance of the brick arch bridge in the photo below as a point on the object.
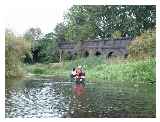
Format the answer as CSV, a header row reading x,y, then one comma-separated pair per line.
x,y
108,47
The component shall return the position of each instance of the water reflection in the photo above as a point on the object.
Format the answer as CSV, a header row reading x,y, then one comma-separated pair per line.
x,y
79,89
48,98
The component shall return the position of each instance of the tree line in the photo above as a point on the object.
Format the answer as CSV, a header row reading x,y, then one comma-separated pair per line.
x,y
105,21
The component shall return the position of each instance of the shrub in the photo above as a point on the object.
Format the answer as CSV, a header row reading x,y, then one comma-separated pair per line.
x,y
15,50
116,34
38,71
144,45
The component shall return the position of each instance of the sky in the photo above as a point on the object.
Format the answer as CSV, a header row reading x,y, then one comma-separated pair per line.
x,y
20,19
20,15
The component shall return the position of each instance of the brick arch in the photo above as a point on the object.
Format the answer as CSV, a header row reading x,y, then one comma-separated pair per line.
x,y
86,53
113,53
98,53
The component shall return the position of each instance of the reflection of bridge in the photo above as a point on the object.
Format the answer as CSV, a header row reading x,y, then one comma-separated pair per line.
x,y
107,47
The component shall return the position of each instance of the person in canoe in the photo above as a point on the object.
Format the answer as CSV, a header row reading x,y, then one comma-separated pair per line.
x,y
78,74
73,74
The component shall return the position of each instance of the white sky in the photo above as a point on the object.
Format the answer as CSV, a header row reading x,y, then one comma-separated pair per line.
x,y
21,18
21,15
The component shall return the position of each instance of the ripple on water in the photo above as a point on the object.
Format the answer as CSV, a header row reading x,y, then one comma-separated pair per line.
x,y
48,99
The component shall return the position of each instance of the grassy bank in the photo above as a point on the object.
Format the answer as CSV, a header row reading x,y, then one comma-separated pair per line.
x,y
102,69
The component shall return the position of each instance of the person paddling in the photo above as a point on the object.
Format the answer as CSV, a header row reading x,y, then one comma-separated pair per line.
x,y
80,74
73,74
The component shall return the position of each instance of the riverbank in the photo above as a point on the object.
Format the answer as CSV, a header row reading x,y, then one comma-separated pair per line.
x,y
117,81
100,69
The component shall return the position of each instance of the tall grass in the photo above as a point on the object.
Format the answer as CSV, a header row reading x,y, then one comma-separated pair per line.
x,y
142,70
98,68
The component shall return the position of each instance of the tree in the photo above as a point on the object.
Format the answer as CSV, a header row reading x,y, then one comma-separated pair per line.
x,y
48,49
60,32
101,21
33,35
143,45
15,50
79,27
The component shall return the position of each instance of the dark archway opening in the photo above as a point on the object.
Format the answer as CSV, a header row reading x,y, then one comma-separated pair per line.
x,y
86,54
75,54
97,53
126,55
111,55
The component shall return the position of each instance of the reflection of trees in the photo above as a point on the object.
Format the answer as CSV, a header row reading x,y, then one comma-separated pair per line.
x,y
36,98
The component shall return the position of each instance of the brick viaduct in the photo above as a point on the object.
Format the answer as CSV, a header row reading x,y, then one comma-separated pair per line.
x,y
108,47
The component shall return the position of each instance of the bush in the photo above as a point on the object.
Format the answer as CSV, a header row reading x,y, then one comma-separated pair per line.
x,y
12,68
15,50
141,71
38,71
144,45
116,34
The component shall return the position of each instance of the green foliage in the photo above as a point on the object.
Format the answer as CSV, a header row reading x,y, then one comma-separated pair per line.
x,y
38,71
15,50
116,34
60,32
142,71
144,45
102,21
48,49
86,63
44,48
101,70
33,34
79,27
80,32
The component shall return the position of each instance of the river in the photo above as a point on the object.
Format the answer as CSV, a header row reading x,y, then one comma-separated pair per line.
x,y
43,98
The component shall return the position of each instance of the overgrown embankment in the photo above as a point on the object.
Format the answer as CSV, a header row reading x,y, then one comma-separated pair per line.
x,y
101,69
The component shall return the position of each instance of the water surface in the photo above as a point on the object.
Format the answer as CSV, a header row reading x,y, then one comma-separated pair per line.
x,y
49,98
